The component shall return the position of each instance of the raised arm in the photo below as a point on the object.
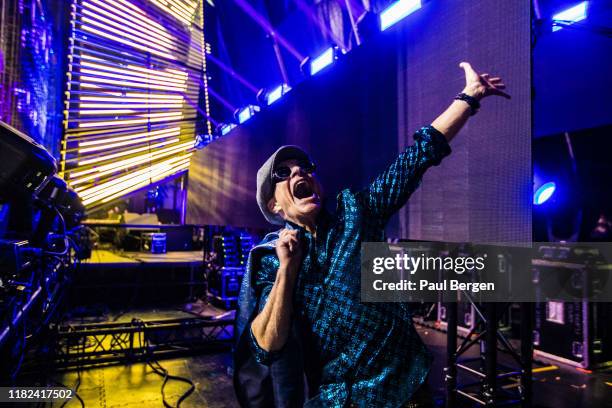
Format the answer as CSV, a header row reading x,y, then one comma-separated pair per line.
x,y
391,189
476,86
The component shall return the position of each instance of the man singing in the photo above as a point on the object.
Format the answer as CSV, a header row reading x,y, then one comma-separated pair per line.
x,y
304,337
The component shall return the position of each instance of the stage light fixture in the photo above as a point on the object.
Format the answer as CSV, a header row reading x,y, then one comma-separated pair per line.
x,y
225,128
246,113
277,93
397,11
570,16
544,193
323,60
25,165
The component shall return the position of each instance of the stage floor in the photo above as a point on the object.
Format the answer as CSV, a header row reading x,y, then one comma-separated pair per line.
x,y
114,258
136,385
555,385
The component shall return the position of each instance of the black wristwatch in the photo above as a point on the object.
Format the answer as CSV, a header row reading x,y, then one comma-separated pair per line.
x,y
470,100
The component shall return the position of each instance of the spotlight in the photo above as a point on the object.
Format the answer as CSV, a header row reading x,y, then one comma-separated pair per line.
x,y
275,94
25,166
202,140
224,128
53,192
72,208
570,16
543,193
397,11
310,66
246,113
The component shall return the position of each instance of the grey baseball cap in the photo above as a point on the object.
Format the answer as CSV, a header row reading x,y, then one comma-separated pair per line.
x,y
265,185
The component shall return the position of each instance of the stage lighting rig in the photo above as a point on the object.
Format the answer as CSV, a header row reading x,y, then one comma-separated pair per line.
x,y
267,97
72,208
570,16
246,113
53,192
398,11
224,128
25,166
312,66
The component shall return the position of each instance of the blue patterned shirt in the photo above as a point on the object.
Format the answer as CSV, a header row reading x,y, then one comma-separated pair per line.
x,y
367,354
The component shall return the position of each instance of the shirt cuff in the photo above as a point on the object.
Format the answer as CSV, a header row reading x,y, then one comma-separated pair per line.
x,y
433,143
262,356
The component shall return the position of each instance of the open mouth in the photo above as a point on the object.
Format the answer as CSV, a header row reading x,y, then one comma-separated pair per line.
x,y
302,189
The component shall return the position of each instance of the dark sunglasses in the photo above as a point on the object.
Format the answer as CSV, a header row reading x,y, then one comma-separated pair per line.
x,y
282,173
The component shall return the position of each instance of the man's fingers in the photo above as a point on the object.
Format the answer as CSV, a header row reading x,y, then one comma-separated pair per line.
x,y
289,240
501,93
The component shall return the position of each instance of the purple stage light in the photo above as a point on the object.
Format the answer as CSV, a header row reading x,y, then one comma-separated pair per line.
x,y
232,73
263,23
221,100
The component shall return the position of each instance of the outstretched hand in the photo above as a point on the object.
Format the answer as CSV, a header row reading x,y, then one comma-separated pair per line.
x,y
482,85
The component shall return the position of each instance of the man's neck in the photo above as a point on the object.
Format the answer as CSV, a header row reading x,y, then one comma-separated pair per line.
x,y
309,224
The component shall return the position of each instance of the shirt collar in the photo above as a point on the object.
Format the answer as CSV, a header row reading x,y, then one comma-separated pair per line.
x,y
322,220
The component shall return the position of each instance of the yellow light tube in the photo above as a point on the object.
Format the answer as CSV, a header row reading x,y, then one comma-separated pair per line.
x,y
127,191
144,30
126,153
81,188
159,114
138,18
176,4
127,163
183,75
142,36
163,105
138,74
172,13
130,43
126,99
160,95
146,80
127,183
128,137
123,164
105,111
126,179
127,122
151,85
180,14
172,171
126,143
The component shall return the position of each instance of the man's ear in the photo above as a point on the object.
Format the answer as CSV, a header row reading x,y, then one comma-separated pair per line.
x,y
273,206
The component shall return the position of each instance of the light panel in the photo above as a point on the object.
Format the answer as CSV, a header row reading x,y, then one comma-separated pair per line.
x,y
226,128
277,93
571,15
322,61
398,11
246,113
133,67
